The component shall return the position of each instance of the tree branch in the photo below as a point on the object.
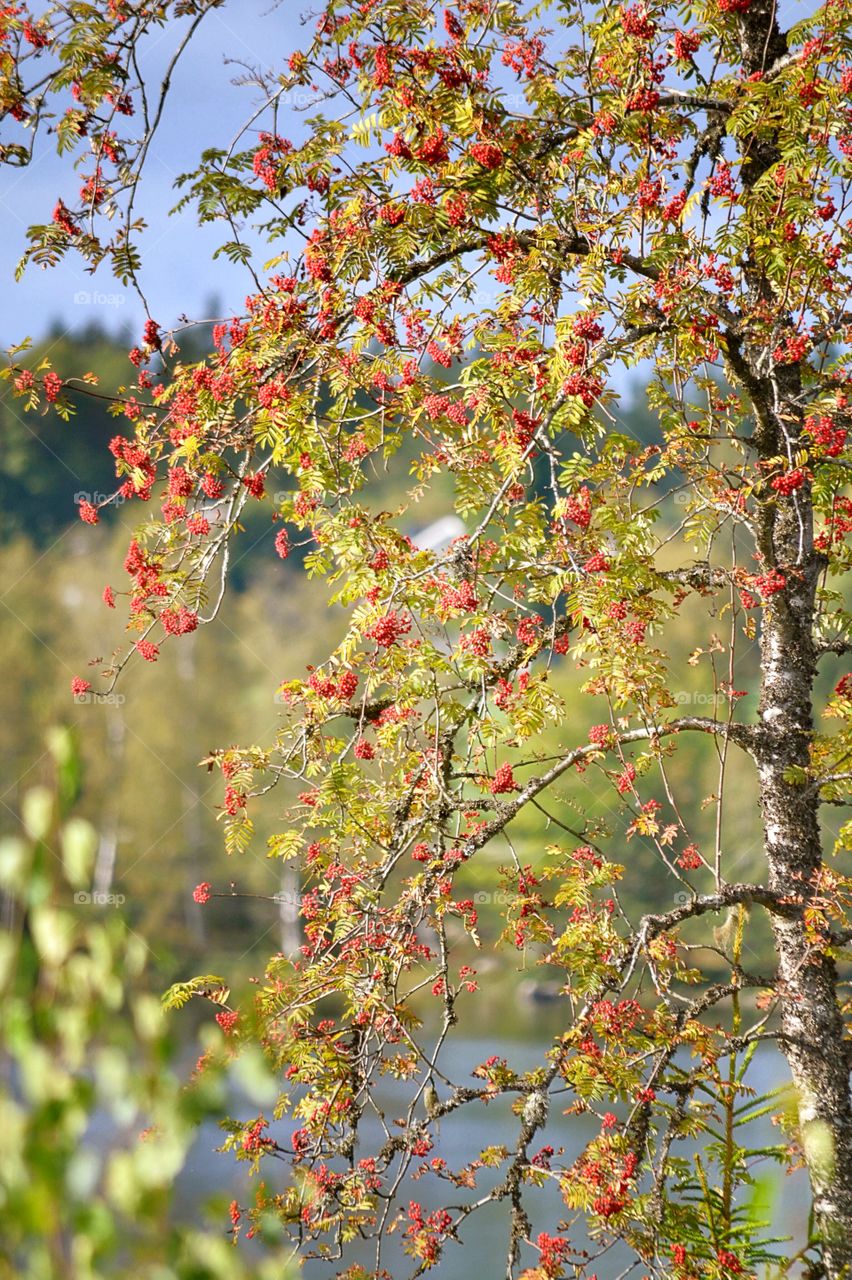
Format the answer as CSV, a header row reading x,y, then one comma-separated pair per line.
x,y
744,736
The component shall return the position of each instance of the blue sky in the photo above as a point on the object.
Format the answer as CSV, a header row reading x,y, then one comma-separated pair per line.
x,y
204,109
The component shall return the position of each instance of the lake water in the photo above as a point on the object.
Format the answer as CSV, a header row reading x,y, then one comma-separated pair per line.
x,y
462,1135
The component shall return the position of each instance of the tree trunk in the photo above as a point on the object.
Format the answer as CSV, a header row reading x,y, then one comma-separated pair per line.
x,y
812,1024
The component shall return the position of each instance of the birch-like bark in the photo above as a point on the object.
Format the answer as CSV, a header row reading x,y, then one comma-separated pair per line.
x,y
812,1023
811,1020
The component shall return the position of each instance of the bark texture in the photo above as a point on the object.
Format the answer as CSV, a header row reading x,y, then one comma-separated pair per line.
x,y
811,1019
812,1024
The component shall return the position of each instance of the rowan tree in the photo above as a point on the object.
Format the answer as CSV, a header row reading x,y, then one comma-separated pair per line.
x,y
481,216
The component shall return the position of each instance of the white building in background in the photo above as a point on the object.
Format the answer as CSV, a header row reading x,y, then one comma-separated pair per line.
x,y
439,534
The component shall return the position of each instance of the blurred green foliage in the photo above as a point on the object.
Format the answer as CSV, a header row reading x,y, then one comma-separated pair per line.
x,y
95,1122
